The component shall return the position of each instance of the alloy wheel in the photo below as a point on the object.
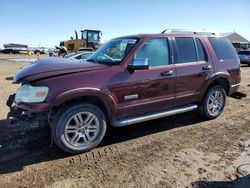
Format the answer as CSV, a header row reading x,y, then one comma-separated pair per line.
x,y
82,129
215,102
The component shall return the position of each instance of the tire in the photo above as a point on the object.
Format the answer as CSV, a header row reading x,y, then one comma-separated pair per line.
x,y
213,102
79,127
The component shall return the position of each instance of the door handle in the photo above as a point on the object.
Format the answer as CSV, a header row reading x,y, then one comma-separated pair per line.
x,y
207,68
167,73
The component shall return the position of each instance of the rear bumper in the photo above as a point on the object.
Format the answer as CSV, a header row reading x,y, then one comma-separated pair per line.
x,y
246,61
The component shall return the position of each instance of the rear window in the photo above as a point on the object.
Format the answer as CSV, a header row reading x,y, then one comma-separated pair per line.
x,y
244,52
223,48
186,49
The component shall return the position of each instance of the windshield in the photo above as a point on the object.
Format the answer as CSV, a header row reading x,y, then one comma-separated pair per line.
x,y
113,52
93,36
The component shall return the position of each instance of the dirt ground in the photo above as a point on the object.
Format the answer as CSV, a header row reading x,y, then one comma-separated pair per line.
x,y
178,151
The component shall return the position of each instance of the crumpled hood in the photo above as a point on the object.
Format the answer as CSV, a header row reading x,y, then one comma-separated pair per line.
x,y
53,67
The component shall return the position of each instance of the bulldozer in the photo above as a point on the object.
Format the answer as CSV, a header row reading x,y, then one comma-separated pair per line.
x,y
89,41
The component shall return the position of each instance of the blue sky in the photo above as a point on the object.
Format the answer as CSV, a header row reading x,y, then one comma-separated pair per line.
x,y
47,22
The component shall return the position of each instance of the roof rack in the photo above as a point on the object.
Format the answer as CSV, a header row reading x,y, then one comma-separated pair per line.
x,y
184,31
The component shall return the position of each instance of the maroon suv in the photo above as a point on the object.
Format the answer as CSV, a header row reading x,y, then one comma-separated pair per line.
x,y
128,80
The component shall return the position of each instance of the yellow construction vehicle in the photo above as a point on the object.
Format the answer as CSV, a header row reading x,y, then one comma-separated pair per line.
x,y
89,41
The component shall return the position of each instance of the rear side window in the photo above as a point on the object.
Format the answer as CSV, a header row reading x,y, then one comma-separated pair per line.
x,y
223,48
186,49
200,49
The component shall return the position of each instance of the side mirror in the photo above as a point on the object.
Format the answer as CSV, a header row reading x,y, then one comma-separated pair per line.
x,y
138,64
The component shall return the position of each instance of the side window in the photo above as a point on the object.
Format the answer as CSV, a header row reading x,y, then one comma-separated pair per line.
x,y
223,48
186,49
156,51
200,49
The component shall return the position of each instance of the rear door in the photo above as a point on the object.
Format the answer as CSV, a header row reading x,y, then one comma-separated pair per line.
x,y
192,68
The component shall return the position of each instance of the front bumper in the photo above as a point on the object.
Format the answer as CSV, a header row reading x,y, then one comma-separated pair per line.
x,y
27,113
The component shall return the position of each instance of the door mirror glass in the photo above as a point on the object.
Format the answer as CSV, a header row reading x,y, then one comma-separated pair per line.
x,y
139,64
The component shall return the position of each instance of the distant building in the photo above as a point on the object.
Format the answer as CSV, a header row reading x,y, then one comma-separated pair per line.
x,y
15,46
237,40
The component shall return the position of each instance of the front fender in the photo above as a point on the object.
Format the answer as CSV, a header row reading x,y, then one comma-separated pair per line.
x,y
87,91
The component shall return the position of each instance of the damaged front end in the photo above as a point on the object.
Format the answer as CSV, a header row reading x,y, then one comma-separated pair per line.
x,y
19,113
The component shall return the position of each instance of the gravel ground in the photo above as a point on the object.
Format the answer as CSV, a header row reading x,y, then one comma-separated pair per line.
x,y
177,151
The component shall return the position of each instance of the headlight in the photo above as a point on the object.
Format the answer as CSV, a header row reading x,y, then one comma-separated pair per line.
x,y
31,94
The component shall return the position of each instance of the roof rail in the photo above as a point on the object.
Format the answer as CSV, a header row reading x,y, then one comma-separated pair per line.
x,y
185,31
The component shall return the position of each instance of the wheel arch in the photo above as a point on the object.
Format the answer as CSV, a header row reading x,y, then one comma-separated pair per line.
x,y
222,79
103,100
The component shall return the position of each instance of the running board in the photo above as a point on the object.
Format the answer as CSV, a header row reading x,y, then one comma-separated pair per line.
x,y
129,121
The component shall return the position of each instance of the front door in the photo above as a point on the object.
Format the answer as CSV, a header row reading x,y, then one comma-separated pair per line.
x,y
146,91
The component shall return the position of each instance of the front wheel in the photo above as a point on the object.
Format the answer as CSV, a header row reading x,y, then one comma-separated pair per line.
x,y
213,102
79,128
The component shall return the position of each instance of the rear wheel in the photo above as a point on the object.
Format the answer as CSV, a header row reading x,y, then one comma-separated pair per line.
x,y
213,102
79,128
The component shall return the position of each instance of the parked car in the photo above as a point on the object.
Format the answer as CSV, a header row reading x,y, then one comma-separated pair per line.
x,y
39,51
244,57
7,51
81,55
128,80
